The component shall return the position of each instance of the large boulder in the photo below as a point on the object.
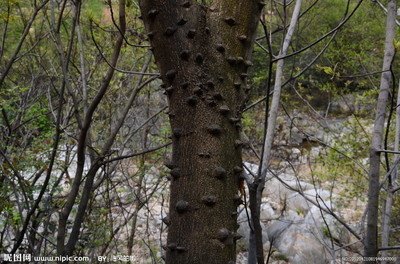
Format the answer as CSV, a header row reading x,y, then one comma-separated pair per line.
x,y
325,226
284,187
299,230
301,202
297,244
244,229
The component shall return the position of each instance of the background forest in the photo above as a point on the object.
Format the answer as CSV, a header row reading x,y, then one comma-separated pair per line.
x,y
85,137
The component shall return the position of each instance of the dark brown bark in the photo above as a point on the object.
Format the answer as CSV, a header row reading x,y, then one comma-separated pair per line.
x,y
203,54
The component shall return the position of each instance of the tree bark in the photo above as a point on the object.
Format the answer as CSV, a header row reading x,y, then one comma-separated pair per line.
x,y
387,213
387,210
257,187
371,239
203,53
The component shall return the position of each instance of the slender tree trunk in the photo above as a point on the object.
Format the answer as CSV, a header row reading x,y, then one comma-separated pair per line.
x,y
68,249
371,239
256,189
203,54
392,182
387,212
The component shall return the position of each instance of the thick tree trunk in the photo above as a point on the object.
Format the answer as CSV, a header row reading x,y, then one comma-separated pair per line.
x,y
371,239
203,54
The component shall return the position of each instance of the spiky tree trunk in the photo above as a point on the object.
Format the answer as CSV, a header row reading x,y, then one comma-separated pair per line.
x,y
203,52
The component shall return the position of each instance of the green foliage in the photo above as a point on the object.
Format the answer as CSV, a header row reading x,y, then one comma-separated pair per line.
x,y
354,51
14,217
250,125
350,151
204,2
280,256
94,9
42,122
325,232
